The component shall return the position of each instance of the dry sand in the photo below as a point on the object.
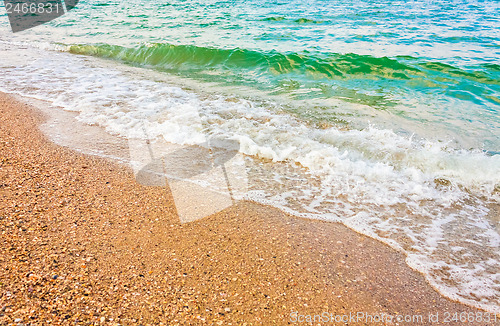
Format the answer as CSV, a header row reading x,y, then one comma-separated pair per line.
x,y
82,243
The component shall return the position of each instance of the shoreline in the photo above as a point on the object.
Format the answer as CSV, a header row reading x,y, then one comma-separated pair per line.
x,y
82,241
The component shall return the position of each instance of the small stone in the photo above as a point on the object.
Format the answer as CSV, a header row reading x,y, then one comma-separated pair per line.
x,y
55,277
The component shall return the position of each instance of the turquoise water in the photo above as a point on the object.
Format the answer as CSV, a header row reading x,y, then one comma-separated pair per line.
x,y
390,108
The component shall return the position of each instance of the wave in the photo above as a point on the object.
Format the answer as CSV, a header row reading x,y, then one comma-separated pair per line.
x,y
298,21
274,19
332,65
418,196
269,68
169,56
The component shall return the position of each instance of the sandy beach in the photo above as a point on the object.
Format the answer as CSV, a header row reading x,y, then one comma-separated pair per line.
x,y
83,244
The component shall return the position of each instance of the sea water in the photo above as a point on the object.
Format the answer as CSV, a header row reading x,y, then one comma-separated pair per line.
x,y
381,115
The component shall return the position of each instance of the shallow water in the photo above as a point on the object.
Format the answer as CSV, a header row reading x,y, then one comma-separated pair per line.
x,y
381,115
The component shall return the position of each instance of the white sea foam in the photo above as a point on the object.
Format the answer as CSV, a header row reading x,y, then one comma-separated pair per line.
x,y
432,202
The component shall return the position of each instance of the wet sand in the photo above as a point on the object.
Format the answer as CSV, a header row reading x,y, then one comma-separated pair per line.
x,y
82,243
